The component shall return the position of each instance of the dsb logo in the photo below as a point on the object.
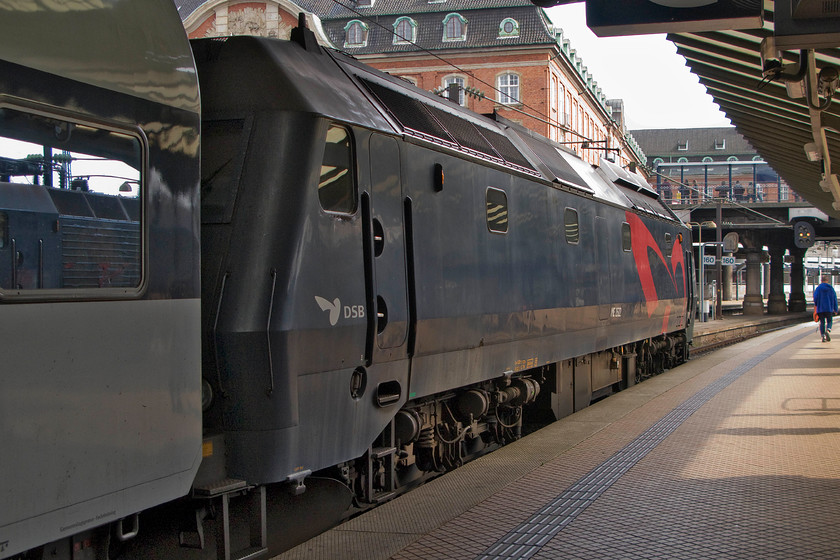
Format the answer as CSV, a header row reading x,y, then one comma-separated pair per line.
x,y
354,311
334,307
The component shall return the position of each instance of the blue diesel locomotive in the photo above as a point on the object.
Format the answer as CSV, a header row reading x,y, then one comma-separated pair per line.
x,y
316,284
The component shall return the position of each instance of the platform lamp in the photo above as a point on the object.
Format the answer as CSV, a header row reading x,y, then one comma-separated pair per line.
x,y
701,292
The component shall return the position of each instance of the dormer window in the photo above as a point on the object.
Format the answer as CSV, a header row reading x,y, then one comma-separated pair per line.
x,y
682,145
364,3
720,144
355,34
508,28
454,27
405,31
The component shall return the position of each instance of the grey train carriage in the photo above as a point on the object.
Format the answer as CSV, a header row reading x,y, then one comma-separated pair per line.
x,y
359,286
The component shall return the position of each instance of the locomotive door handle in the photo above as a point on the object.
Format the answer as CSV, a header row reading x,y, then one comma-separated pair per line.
x,y
378,233
17,259
381,314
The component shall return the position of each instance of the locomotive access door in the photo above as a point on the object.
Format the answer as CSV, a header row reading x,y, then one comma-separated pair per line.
x,y
387,239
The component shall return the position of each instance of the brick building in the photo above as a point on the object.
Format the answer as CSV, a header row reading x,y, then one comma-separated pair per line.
x,y
505,55
506,51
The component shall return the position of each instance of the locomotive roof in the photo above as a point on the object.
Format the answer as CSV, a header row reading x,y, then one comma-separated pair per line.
x,y
259,72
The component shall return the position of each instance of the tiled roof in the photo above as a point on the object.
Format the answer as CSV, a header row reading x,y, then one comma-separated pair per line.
x,y
348,9
187,7
482,30
483,20
700,142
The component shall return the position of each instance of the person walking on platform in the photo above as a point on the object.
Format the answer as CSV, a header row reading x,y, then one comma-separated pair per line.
x,y
825,304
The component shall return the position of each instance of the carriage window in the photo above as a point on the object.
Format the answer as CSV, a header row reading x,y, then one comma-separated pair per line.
x,y
497,210
669,244
626,239
336,187
570,219
70,204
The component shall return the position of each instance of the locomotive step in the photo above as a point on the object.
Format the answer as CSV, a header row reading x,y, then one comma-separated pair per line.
x,y
250,553
219,487
380,452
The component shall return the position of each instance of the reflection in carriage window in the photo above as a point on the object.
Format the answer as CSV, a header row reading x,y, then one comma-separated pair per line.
x,y
336,187
70,200
497,210
626,238
572,226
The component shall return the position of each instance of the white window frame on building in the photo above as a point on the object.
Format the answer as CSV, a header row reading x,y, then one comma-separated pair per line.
x,y
508,88
456,79
400,35
514,31
355,27
454,27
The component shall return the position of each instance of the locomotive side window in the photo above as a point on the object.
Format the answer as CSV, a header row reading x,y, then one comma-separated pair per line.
x,y
626,239
70,200
497,210
336,187
669,244
572,226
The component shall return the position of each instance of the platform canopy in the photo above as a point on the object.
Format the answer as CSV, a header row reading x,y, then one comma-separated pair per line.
x,y
761,68
797,140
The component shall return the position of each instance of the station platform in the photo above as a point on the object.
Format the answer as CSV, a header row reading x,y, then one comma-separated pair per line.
x,y
735,454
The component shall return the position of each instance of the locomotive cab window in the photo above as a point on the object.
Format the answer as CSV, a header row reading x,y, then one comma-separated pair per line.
x,y
626,239
669,245
497,210
572,226
336,186
70,199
